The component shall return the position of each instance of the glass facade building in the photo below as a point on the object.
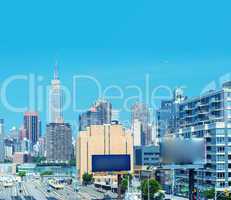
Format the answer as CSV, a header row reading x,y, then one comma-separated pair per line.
x,y
31,126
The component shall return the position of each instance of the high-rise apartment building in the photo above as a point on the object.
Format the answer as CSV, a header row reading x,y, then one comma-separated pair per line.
x,y
207,116
104,139
58,142
141,114
2,149
55,100
31,126
100,113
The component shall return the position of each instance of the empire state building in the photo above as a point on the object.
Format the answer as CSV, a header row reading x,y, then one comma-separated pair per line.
x,y
55,100
58,134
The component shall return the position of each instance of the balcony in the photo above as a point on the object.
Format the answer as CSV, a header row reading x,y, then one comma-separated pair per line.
x,y
187,108
215,100
216,108
215,117
203,112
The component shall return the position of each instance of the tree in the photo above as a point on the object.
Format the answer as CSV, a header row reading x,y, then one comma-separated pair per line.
x,y
209,194
38,159
22,174
150,186
87,178
124,185
124,182
72,162
46,173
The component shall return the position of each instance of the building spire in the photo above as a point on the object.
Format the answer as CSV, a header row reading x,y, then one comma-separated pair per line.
x,y
56,76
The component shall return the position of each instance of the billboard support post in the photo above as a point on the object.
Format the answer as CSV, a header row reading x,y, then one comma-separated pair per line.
x,y
119,179
173,182
116,163
191,184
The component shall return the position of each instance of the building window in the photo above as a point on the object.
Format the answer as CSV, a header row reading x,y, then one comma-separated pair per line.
x,y
220,149
221,175
221,184
220,157
220,166
220,140
220,131
228,94
228,113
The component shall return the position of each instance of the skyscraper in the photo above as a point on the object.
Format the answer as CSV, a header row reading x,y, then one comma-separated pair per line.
x,y
168,113
164,116
140,113
55,100
31,125
100,113
58,142
2,150
58,139
136,132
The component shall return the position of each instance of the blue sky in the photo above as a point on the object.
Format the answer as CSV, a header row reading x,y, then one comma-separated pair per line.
x,y
178,43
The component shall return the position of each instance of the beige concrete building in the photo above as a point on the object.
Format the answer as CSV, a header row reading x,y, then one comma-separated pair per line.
x,y
101,140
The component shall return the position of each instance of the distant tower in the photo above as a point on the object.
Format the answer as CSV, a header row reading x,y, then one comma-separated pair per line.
x,y
55,99
31,126
140,117
99,114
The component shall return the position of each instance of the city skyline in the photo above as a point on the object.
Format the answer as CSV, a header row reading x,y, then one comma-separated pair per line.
x,y
72,116
149,37
127,100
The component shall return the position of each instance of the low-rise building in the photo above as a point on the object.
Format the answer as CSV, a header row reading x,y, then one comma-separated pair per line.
x,y
20,158
147,155
146,160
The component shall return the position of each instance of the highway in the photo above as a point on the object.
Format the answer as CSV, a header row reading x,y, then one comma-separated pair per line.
x,y
35,189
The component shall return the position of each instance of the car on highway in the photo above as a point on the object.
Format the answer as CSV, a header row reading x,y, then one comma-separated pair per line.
x,y
48,189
